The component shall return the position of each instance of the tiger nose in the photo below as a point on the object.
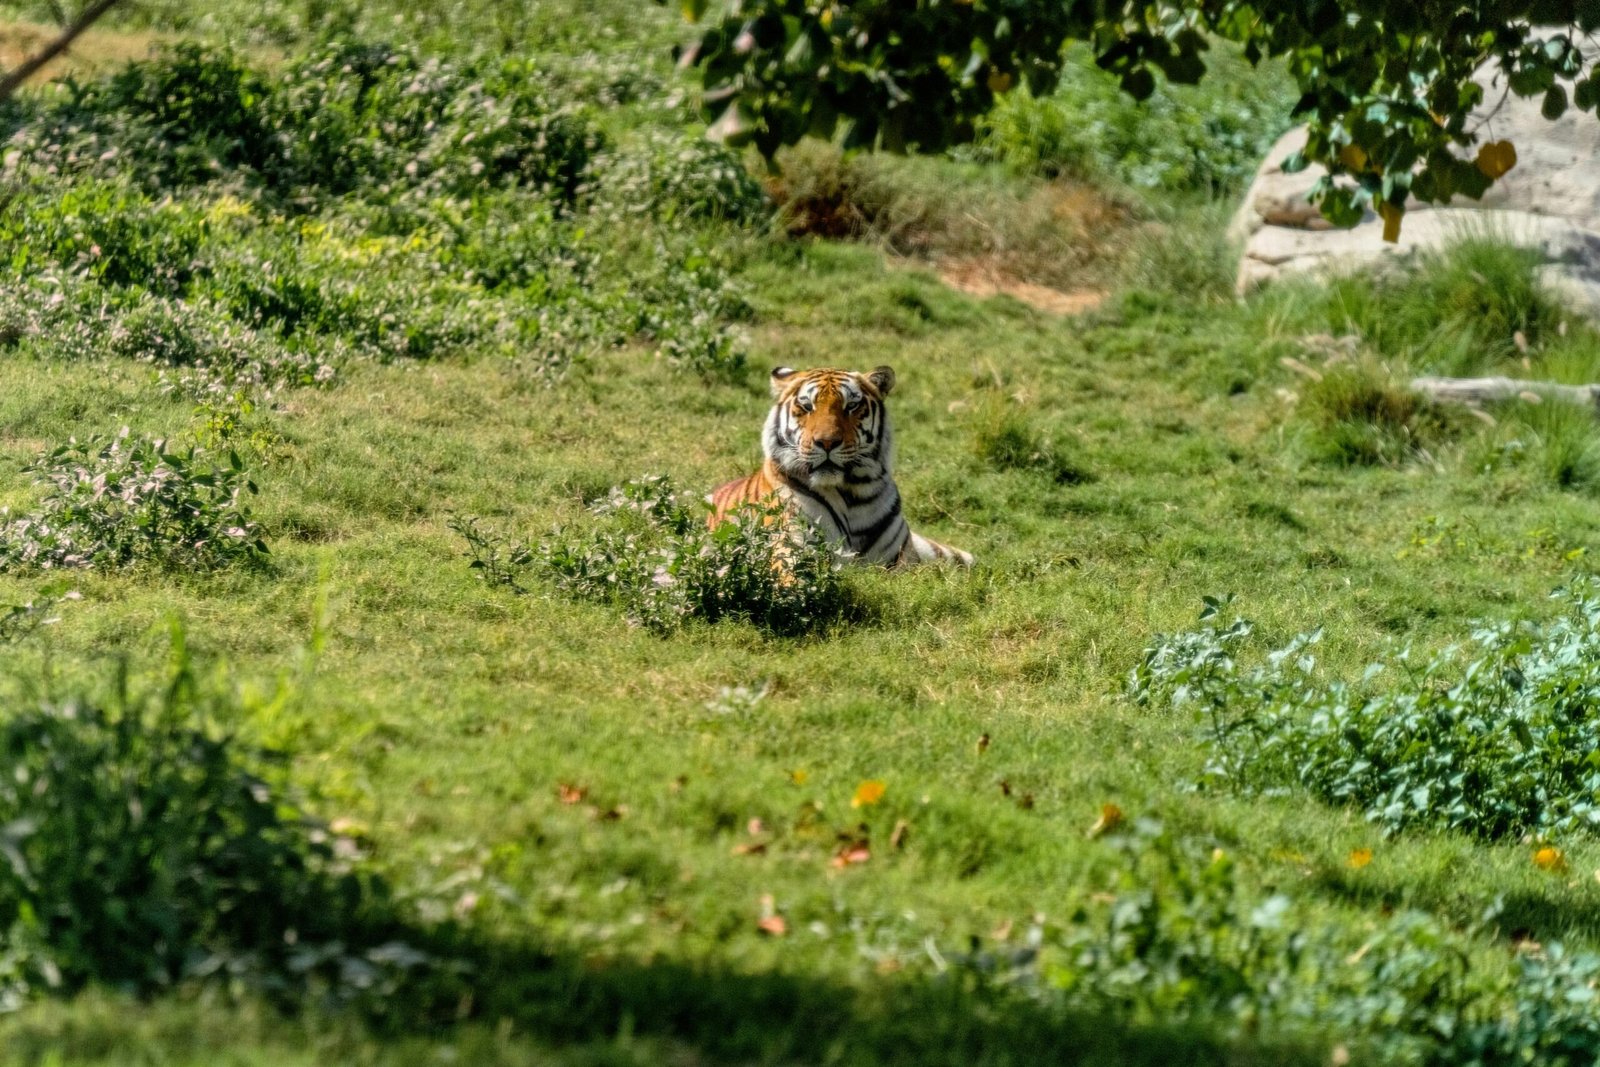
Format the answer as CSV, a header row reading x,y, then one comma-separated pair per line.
x,y
827,444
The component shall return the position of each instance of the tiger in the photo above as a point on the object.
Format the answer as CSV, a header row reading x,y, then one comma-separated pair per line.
x,y
829,452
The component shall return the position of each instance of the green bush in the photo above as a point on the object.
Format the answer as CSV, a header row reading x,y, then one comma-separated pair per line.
x,y
681,176
103,231
143,848
1497,744
1174,937
1207,138
134,500
349,116
662,566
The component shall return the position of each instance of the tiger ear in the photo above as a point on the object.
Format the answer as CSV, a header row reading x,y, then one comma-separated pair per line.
x,y
883,379
779,376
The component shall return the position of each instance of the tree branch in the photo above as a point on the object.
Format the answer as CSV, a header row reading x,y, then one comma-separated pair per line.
x,y
29,67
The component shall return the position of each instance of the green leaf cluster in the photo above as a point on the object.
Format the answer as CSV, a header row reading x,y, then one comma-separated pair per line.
x,y
1498,741
1386,88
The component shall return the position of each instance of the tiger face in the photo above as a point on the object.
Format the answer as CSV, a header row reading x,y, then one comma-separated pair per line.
x,y
829,427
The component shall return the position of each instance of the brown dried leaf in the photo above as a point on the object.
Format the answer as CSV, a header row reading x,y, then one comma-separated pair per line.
x,y
1110,818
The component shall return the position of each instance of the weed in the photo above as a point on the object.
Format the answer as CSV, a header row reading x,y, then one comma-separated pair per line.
x,y
662,566
144,848
1497,745
1361,417
134,500
1008,441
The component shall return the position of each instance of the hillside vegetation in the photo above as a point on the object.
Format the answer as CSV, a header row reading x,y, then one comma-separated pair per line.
x,y
364,367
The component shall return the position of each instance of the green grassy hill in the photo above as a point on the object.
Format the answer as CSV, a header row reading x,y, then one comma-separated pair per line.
x,y
608,843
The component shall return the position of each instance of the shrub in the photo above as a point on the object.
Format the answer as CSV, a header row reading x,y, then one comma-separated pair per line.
x,y
103,231
1497,744
1206,138
660,564
1178,939
350,116
134,500
679,176
144,848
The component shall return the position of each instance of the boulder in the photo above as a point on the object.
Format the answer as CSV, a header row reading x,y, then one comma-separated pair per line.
x,y
1550,200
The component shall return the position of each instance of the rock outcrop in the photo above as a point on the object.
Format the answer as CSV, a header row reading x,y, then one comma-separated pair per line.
x,y
1549,201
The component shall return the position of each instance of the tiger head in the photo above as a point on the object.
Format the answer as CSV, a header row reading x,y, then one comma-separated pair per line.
x,y
829,427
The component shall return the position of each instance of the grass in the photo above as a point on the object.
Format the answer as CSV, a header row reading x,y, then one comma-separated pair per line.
x,y
578,789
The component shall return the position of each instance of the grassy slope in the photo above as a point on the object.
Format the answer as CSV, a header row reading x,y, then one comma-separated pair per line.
x,y
446,715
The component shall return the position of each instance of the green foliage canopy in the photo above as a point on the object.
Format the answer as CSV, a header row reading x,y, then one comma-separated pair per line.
x,y
1386,86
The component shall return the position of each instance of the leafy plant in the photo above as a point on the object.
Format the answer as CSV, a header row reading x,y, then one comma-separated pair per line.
x,y
18,621
143,847
662,566
1388,95
1497,744
1207,138
128,500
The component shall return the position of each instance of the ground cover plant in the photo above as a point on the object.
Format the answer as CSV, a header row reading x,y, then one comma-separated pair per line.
x,y
864,818
662,565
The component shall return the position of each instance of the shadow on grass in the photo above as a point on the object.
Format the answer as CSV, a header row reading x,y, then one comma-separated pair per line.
x,y
728,1017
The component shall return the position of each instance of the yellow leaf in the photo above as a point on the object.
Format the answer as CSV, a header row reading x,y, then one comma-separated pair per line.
x,y
1550,859
1354,157
1110,818
798,777
1496,158
868,793
1360,857
999,81
1391,216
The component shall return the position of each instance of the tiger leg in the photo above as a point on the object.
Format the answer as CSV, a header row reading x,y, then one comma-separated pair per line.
x,y
919,549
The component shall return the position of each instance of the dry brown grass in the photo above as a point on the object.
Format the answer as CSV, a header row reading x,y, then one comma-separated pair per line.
x,y
95,51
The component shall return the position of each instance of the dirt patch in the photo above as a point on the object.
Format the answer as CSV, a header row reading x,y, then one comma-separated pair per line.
x,y
985,278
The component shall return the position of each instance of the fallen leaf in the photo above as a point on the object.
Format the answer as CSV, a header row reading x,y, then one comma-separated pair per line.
x,y
898,835
774,925
754,827
983,743
798,777
750,848
1025,802
868,793
1005,787
571,794
1003,931
1110,818
1551,859
611,814
678,783
850,853
1360,857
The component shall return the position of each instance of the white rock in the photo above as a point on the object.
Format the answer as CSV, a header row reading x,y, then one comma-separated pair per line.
x,y
1550,200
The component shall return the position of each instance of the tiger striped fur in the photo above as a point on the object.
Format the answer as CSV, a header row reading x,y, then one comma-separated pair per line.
x,y
829,450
